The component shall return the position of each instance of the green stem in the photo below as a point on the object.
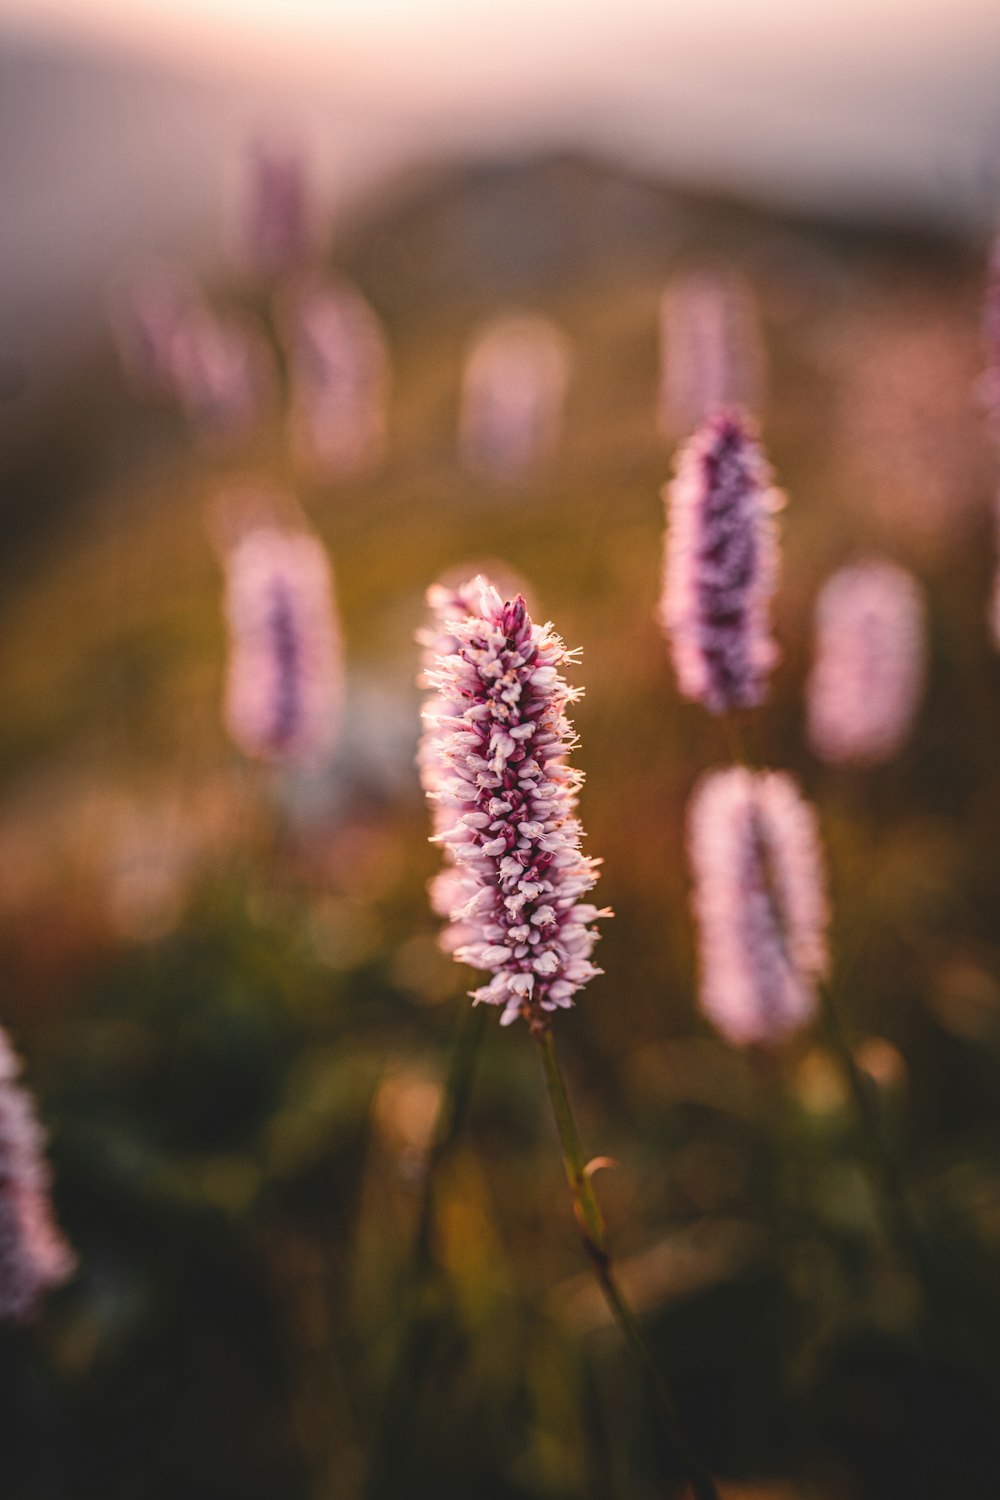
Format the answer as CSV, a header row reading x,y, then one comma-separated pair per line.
x,y
900,1225
590,1223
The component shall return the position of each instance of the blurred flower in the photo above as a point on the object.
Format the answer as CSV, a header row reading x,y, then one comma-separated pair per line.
x,y
513,395
868,674
711,352
223,373
721,565
285,670
760,903
33,1255
274,219
499,730
990,384
148,310
339,370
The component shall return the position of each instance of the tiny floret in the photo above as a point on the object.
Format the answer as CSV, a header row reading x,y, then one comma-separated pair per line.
x,y
494,765
721,566
759,901
868,673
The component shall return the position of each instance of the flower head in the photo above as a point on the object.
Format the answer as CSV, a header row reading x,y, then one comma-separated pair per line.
x,y
339,368
513,395
711,353
495,749
33,1255
868,674
285,673
760,903
275,228
721,565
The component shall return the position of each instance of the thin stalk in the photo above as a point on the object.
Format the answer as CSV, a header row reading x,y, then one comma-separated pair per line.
x,y
590,1223
900,1225
392,1453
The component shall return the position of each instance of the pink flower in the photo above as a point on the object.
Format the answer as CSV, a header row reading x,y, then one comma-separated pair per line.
x,y
223,373
284,687
275,224
711,354
495,753
721,565
33,1255
339,370
513,395
868,674
760,903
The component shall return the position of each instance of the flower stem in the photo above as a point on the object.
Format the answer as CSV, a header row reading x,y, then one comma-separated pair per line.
x,y
899,1222
590,1223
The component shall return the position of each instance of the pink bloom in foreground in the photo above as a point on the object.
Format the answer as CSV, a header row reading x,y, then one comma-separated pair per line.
x,y
759,901
496,745
339,370
721,565
284,687
33,1255
868,675
711,354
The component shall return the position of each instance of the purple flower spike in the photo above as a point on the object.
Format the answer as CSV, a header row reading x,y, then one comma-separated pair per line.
x,y
721,565
275,221
284,688
868,675
760,903
711,351
496,742
340,377
33,1255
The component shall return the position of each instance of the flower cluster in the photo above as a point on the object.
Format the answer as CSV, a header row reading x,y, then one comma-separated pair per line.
x,y
33,1255
339,372
285,673
721,565
711,353
760,903
494,756
868,673
513,395
274,227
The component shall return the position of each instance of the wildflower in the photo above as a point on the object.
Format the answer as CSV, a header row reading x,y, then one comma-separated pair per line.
x,y
759,901
223,373
339,369
711,353
513,394
721,565
285,674
274,227
495,752
868,673
33,1255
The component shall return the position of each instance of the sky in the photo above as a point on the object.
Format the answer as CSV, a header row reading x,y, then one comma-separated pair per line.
x,y
117,116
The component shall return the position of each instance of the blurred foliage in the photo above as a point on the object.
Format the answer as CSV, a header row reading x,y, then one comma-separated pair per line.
x,y
226,983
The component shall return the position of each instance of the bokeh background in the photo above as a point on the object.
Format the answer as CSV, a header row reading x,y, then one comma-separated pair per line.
x,y
225,981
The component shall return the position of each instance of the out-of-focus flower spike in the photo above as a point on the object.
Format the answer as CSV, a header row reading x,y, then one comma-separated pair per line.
x,y
148,309
868,674
711,350
759,901
285,680
275,227
494,757
223,374
513,396
34,1257
340,377
720,567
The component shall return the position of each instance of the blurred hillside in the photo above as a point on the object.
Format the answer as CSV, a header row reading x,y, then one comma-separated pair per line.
x,y
227,985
